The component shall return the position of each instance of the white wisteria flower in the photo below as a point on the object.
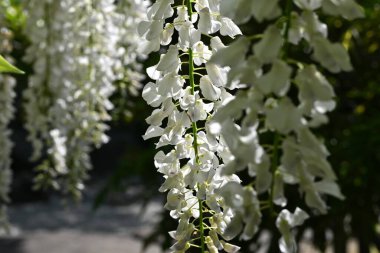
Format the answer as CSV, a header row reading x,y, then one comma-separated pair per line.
x,y
187,90
77,54
260,67
285,222
7,96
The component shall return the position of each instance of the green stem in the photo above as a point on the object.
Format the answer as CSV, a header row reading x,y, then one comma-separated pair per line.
x,y
189,8
288,12
192,85
195,130
195,146
201,227
273,169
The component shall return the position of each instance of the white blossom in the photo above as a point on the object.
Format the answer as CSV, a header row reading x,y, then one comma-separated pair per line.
x,y
283,117
76,54
277,80
7,96
348,9
285,222
268,49
193,168
265,78
332,56
131,13
235,120
309,4
209,90
316,93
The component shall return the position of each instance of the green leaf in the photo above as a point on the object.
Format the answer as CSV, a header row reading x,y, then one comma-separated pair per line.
x,y
5,66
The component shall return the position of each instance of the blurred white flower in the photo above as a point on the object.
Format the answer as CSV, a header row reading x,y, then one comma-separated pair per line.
x,y
77,53
285,222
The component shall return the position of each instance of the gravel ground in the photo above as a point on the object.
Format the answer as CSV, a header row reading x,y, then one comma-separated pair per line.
x,y
52,227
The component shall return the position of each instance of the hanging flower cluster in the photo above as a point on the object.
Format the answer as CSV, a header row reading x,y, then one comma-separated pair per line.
x,y
77,56
264,106
215,134
129,82
187,91
7,95
132,13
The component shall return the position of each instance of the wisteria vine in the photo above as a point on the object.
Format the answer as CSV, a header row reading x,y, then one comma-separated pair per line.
x,y
7,95
187,97
214,111
77,48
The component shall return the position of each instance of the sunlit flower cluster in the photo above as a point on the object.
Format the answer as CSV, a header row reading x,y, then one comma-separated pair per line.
x,y
187,90
77,56
214,102
132,13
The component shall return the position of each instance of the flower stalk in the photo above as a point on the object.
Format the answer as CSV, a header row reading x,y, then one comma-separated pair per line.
x,y
277,136
192,168
195,133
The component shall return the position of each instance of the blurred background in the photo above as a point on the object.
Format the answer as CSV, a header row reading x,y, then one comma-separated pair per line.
x,y
121,210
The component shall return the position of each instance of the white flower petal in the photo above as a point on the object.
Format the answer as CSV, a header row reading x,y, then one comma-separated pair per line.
x,y
217,74
153,131
209,91
151,96
308,4
228,27
332,56
268,49
276,80
233,54
207,23
170,61
348,9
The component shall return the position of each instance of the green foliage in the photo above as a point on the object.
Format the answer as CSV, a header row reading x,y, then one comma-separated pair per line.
x,y
14,14
5,66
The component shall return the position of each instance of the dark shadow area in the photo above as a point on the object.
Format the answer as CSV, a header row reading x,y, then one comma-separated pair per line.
x,y
11,245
